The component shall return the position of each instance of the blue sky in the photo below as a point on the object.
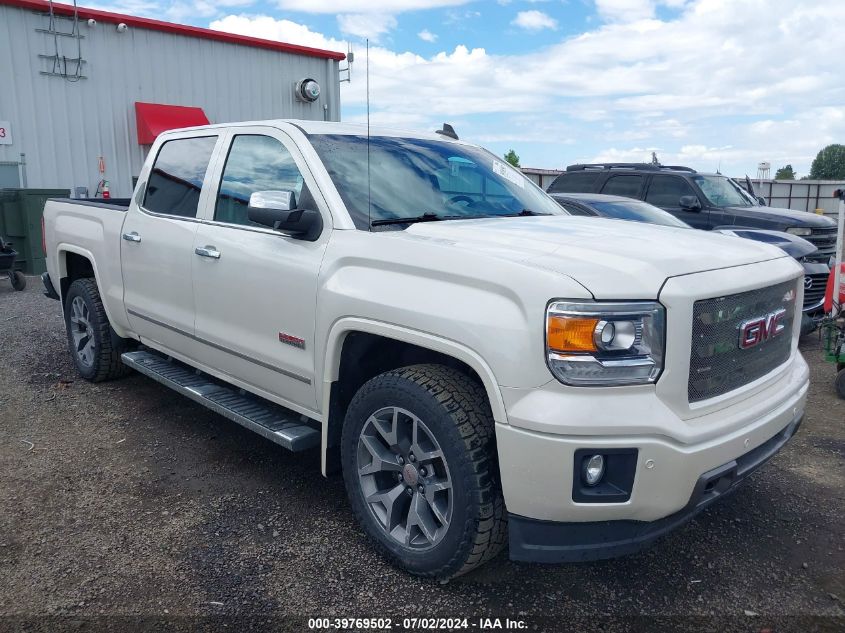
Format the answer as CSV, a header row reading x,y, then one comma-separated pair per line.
x,y
704,83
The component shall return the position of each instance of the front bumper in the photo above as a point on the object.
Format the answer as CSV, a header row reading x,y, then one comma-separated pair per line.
x,y
538,541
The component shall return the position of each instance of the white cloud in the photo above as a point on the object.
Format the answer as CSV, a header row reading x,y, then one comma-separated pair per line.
x,y
182,11
625,10
534,20
698,80
365,6
457,18
427,36
366,25
178,11
280,30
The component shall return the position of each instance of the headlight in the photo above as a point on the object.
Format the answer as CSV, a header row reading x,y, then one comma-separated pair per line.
x,y
600,344
797,230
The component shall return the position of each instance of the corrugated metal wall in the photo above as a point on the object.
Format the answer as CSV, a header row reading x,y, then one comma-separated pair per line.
x,y
63,127
802,195
541,177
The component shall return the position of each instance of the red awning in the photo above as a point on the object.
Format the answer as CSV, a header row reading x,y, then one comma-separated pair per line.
x,y
155,118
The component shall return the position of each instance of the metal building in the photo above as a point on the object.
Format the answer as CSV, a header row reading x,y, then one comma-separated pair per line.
x,y
84,92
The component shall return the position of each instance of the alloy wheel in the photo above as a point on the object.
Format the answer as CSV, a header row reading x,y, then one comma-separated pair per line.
x,y
404,477
81,331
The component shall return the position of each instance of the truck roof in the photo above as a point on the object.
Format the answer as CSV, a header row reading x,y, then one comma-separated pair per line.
x,y
327,127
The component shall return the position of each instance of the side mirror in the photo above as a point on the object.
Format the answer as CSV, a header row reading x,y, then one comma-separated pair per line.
x,y
690,203
277,209
763,202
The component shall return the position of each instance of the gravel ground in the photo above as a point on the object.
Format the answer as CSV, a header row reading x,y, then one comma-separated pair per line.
x,y
125,505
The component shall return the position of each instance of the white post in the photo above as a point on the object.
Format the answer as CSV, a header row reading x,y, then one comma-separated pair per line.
x,y
840,238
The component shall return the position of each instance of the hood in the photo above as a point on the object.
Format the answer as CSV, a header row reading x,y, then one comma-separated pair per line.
x,y
792,245
783,217
613,259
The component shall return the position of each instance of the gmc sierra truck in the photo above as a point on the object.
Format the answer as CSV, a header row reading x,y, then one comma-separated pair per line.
x,y
483,369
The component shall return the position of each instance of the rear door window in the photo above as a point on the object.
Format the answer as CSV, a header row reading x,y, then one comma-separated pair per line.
x,y
575,182
628,186
666,191
176,178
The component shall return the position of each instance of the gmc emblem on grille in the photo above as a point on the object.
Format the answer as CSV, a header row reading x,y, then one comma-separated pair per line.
x,y
754,331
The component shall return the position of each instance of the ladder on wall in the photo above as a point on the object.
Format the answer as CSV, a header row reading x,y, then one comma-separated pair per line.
x,y
68,68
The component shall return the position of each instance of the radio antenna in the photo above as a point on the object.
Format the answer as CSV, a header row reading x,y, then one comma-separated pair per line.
x,y
369,195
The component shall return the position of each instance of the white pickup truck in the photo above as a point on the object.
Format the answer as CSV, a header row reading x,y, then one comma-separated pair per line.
x,y
481,367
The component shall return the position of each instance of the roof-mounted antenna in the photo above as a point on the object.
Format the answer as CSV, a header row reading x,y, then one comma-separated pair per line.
x,y
369,194
449,131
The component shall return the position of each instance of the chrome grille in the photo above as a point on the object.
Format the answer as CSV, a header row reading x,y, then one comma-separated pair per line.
x,y
717,363
824,239
814,294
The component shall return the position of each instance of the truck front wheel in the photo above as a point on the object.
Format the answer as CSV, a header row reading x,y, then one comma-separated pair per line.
x,y
93,344
419,465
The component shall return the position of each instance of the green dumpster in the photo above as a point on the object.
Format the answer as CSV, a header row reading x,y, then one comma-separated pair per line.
x,y
20,224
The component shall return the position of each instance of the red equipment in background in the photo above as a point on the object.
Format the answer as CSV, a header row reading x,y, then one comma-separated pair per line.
x,y
828,295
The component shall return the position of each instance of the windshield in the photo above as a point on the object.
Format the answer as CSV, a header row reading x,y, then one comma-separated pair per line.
x,y
411,177
722,191
638,212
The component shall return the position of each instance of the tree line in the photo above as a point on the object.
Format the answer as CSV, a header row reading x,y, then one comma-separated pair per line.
x,y
829,164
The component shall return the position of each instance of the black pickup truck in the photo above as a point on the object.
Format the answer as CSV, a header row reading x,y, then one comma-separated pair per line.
x,y
704,201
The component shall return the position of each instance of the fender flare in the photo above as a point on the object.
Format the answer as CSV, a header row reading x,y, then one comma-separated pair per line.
x,y
345,325
61,260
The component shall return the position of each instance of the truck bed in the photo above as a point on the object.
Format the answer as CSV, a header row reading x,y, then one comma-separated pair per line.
x,y
115,204
90,229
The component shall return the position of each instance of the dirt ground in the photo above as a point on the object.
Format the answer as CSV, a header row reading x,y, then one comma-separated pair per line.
x,y
126,506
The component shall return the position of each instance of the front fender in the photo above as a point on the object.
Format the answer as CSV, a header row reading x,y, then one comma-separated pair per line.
x,y
344,326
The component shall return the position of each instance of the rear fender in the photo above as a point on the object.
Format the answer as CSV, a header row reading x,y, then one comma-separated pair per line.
x,y
117,316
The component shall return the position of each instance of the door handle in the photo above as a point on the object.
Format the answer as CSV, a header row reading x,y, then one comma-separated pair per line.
x,y
207,251
132,237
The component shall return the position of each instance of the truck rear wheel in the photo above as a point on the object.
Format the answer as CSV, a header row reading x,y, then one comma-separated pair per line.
x,y
93,344
419,464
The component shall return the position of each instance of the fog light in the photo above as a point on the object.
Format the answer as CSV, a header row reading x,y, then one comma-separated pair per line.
x,y
593,469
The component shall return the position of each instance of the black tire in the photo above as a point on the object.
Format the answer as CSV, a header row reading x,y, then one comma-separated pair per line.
x,y
102,361
456,412
840,383
18,280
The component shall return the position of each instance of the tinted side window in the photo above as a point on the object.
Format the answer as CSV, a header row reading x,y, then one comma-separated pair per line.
x,y
623,186
575,182
666,191
176,178
255,163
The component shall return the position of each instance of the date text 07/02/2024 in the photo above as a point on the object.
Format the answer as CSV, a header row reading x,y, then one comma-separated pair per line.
x,y
423,623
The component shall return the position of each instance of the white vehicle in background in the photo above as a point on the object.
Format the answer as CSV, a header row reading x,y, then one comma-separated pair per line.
x,y
476,362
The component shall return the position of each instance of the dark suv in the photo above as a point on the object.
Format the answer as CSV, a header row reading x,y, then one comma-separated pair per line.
x,y
704,201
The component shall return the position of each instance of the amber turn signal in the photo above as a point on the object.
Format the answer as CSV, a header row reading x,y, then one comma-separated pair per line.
x,y
570,334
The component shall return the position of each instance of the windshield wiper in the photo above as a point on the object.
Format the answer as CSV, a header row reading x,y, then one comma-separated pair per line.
x,y
523,213
428,216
